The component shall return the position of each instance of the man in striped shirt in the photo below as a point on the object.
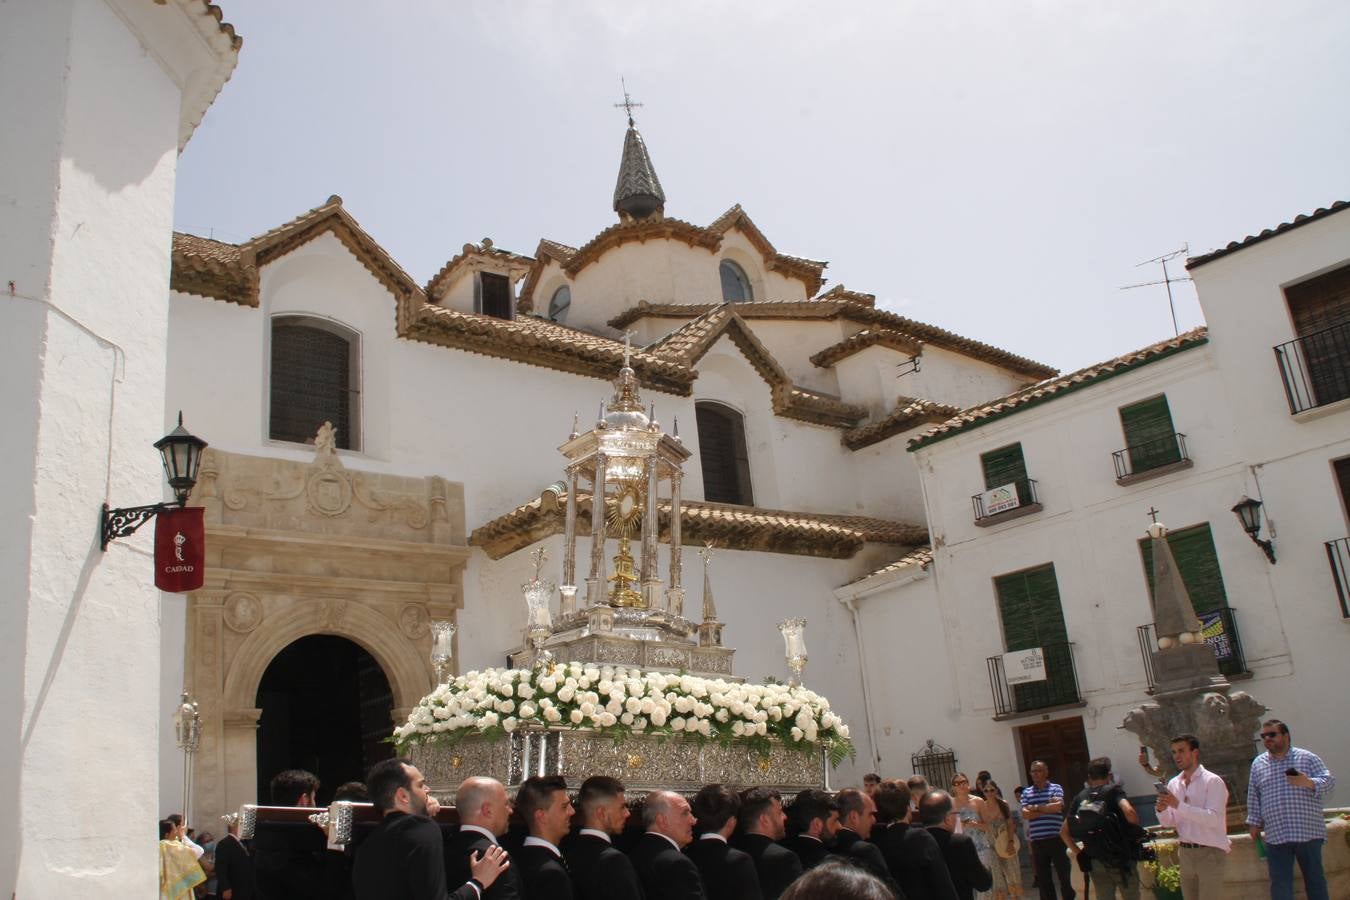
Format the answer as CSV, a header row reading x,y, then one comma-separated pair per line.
x,y
1288,788
1043,809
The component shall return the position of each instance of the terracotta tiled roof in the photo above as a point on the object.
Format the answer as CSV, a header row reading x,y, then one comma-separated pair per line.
x,y
574,260
1234,246
821,308
809,271
839,292
1057,387
213,269
734,527
546,251
485,251
909,412
230,272
688,343
920,556
539,342
868,337
220,36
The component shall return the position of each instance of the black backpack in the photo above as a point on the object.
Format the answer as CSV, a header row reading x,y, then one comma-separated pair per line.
x,y
1097,823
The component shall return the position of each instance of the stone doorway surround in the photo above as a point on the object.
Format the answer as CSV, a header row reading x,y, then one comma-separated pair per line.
x,y
295,549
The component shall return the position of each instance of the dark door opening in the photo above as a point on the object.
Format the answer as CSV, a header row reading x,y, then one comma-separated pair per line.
x,y
326,708
1062,745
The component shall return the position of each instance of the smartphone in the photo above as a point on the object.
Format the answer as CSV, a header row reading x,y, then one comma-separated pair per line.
x,y
1160,787
1292,773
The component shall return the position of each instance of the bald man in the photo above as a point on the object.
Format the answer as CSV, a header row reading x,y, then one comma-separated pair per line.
x,y
665,872
484,810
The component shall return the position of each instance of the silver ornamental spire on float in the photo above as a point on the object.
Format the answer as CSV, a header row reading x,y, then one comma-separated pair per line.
x,y
626,473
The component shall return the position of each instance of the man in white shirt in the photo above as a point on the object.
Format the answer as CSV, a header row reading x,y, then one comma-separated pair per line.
x,y
1196,804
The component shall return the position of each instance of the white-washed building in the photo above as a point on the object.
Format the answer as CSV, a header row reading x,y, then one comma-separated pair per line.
x,y
1037,504
327,564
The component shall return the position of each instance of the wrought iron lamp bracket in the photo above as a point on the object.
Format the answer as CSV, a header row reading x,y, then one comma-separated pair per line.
x,y
118,523
1265,545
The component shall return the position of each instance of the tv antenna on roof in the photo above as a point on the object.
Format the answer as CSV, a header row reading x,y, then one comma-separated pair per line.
x,y
1166,279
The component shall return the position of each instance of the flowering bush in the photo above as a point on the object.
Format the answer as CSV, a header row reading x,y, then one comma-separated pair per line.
x,y
621,701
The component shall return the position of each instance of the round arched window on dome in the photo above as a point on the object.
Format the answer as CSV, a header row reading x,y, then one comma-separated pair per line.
x,y
559,304
735,283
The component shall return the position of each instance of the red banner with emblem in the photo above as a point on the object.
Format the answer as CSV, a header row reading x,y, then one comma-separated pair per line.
x,y
180,549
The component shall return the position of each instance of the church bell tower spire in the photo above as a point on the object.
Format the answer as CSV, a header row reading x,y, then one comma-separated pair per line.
x,y
637,194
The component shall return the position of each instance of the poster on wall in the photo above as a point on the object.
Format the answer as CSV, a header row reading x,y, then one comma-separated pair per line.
x,y
1211,626
1024,666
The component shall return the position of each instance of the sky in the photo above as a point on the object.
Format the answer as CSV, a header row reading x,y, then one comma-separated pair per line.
x,y
995,168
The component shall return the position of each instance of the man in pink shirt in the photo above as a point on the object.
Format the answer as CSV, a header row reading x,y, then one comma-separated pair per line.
x,y
1195,804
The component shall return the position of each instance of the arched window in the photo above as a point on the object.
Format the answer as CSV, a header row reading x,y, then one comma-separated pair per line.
x,y
558,306
315,379
722,452
735,284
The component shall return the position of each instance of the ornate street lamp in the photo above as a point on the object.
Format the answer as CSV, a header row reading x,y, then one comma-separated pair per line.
x,y
794,647
181,453
1248,512
187,728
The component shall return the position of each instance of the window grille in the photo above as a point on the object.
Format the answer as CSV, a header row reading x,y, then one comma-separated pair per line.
x,y
722,453
735,283
313,381
936,763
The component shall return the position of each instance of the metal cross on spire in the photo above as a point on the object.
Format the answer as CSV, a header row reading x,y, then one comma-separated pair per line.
x,y
1153,514
628,104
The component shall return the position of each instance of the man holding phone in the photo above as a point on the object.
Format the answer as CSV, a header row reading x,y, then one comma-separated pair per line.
x,y
1195,803
1288,788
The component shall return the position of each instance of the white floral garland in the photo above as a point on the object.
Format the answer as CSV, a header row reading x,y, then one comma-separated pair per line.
x,y
622,701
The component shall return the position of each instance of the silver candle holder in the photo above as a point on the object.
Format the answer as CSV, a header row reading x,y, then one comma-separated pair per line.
x,y
794,647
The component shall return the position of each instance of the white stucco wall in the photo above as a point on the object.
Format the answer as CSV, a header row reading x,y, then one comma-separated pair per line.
x,y
1089,530
84,236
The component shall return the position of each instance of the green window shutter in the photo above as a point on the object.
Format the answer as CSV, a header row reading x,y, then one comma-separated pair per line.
x,y
1033,617
1149,434
1003,466
1198,563
1028,603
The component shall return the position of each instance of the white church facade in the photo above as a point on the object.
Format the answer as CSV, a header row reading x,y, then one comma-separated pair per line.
x,y
449,400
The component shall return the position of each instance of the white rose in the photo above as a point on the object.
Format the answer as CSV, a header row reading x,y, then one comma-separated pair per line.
x,y
647,706
843,731
607,719
722,715
738,728
676,724
605,686
588,709
489,719
796,733
626,718
552,715
509,724
567,693
639,724
704,727
593,673
658,717
575,716
633,706
761,728
524,691
527,710
548,684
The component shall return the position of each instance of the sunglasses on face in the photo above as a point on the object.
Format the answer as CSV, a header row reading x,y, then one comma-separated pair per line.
x,y
1269,735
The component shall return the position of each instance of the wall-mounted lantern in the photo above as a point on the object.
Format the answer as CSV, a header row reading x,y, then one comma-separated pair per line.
x,y
1248,512
181,453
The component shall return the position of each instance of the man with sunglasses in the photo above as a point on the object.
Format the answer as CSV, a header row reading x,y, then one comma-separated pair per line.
x,y
1284,799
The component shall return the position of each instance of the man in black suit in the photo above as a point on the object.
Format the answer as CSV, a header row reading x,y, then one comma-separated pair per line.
x,y
543,803
911,853
665,872
728,873
235,879
762,823
599,870
484,811
857,816
815,818
403,858
289,856
963,861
